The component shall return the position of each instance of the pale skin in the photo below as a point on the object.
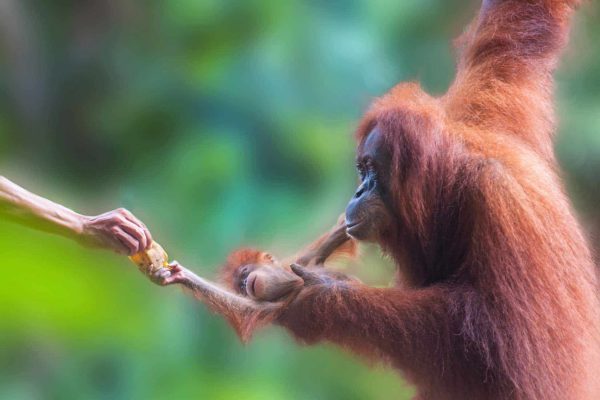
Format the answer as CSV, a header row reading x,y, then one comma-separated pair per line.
x,y
117,230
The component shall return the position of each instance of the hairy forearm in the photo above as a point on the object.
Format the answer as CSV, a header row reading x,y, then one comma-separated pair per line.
x,y
367,319
325,246
336,242
214,294
27,208
245,315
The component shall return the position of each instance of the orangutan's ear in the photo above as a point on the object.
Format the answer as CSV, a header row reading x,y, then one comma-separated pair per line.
x,y
268,258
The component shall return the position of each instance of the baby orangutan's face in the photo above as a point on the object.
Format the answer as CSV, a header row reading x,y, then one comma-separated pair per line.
x,y
266,281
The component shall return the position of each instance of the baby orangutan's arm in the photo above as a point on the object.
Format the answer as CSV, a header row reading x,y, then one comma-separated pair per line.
x,y
244,314
256,288
333,243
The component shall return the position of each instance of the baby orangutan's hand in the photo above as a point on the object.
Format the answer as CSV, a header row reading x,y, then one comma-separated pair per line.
x,y
170,275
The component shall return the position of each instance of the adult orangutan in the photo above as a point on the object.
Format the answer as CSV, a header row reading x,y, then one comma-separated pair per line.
x,y
499,296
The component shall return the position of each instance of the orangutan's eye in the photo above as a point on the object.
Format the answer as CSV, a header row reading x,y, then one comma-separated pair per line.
x,y
362,171
243,278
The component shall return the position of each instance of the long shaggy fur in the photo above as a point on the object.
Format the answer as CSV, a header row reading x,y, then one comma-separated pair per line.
x,y
501,296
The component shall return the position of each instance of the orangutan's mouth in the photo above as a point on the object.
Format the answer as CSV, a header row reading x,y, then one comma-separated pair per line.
x,y
353,227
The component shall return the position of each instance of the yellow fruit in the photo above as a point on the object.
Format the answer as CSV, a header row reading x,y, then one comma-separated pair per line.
x,y
152,259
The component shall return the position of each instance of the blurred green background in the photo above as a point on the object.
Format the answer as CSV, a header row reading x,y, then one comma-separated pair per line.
x,y
219,123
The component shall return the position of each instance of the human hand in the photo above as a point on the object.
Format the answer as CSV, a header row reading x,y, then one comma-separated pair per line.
x,y
118,230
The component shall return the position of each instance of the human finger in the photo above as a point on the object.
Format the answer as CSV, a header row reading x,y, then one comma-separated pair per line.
x,y
129,242
133,219
137,233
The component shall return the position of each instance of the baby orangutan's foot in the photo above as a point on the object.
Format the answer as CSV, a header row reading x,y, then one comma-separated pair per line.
x,y
168,275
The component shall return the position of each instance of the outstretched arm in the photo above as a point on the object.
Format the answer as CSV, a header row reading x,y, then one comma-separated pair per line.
x,y
117,230
507,56
243,314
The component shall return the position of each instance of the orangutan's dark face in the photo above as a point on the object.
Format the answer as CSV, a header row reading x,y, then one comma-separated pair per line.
x,y
367,213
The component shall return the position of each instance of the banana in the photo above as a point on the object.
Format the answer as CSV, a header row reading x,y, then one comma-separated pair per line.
x,y
150,260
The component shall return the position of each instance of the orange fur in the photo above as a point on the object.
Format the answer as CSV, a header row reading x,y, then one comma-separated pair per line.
x,y
502,297
238,259
246,321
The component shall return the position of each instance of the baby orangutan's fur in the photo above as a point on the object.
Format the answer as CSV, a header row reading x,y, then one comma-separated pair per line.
x,y
256,287
256,274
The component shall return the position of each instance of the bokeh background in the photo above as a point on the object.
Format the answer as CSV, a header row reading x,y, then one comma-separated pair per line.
x,y
220,123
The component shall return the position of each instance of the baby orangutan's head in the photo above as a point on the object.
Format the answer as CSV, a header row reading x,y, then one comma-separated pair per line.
x,y
257,275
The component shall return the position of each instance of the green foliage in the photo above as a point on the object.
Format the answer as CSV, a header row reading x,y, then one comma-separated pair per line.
x,y
220,123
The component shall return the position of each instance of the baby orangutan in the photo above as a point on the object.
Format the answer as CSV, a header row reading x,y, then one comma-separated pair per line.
x,y
257,275
256,287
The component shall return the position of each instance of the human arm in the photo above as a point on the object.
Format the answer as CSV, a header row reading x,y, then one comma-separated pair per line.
x,y
117,230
